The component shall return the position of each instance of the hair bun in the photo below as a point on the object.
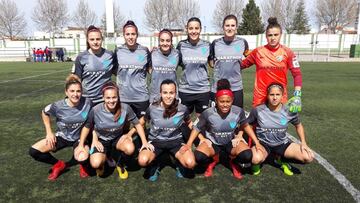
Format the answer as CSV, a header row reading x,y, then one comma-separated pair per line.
x,y
223,84
272,21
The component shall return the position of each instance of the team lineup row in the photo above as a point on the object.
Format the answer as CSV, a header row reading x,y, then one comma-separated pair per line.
x,y
100,119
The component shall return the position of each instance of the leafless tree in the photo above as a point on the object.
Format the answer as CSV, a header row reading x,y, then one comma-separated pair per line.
x,y
119,19
283,10
185,10
50,16
161,14
84,16
12,22
334,14
226,7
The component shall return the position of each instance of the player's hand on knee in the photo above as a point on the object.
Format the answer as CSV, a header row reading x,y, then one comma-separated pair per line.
x,y
51,140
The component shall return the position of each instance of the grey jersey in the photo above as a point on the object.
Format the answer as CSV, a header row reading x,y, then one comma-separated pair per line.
x,y
94,71
69,120
227,58
194,63
165,129
221,130
103,121
131,73
271,126
163,67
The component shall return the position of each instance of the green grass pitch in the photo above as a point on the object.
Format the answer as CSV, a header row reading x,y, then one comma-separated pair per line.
x,y
330,115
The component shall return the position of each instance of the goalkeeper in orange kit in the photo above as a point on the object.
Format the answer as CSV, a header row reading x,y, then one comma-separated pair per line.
x,y
272,63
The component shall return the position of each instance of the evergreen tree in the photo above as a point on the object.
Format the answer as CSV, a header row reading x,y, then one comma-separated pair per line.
x,y
300,23
251,21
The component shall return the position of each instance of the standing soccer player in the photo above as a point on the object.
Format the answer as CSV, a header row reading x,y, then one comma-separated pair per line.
x,y
71,114
133,63
194,86
226,55
94,66
165,60
272,63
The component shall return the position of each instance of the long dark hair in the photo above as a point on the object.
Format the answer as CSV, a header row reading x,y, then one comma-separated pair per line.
x,y
173,108
91,28
112,85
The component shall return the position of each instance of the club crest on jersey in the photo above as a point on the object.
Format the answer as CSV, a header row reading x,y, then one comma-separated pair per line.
x,y
237,48
279,58
106,64
283,121
232,124
204,50
121,120
176,119
140,58
173,60
84,114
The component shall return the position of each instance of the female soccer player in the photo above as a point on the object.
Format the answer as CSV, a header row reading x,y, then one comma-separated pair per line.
x,y
94,66
71,114
108,119
226,55
271,120
222,124
165,60
133,63
272,63
194,86
167,119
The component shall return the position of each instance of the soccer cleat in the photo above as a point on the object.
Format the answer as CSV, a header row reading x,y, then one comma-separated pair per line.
x,y
123,174
179,172
211,166
56,170
236,170
100,171
155,176
284,166
83,171
256,169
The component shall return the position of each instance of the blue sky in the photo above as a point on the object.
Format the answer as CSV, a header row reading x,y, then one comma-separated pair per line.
x,y
131,9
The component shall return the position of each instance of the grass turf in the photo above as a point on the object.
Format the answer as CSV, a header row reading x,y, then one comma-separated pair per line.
x,y
330,104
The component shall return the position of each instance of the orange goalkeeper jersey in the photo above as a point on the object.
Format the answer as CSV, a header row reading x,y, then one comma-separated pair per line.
x,y
272,65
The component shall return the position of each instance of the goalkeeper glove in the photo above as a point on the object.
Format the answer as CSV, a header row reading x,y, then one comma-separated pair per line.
x,y
294,104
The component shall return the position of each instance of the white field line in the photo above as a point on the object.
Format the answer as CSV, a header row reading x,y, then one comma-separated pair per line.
x,y
33,76
337,175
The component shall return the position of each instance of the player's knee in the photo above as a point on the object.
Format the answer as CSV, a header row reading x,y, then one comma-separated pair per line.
x,y
244,157
96,163
143,160
202,158
189,163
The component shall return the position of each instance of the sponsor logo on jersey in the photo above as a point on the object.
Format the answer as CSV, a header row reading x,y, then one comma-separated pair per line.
x,y
296,63
232,124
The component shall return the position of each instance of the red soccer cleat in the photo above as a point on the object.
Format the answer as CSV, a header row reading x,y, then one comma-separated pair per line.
x,y
236,170
83,171
211,166
56,170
